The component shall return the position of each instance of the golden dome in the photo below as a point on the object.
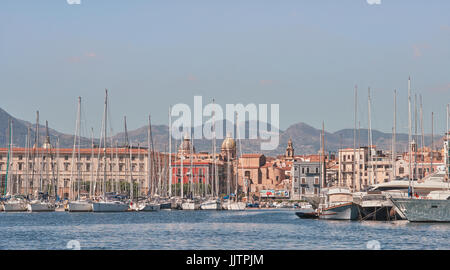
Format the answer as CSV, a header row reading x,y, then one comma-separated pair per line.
x,y
228,144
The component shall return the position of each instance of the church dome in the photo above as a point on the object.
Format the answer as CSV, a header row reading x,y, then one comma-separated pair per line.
x,y
228,144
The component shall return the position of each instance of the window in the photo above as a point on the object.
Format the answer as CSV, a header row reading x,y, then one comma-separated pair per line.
x,y
303,180
303,190
316,180
401,170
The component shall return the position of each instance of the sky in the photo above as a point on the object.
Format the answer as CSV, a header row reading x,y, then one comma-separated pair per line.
x,y
306,56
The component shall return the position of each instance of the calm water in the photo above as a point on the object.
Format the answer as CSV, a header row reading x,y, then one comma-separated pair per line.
x,y
251,229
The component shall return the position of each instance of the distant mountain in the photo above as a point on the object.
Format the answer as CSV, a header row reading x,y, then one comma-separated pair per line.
x,y
306,139
20,130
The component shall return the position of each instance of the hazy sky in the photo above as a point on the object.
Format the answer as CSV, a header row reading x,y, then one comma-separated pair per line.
x,y
306,56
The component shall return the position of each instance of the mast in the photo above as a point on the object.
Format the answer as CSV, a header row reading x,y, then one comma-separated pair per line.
x,y
216,192
170,153
91,183
237,160
422,144
324,168
354,141
8,159
27,161
38,152
415,138
104,144
370,164
409,136
72,183
149,163
394,154
432,142
191,171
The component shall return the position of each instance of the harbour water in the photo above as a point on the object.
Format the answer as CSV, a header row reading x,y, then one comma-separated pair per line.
x,y
250,229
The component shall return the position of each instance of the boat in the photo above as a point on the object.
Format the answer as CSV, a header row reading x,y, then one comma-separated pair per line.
x,y
190,205
230,205
15,205
41,206
109,206
375,205
338,205
146,206
80,206
307,213
433,208
212,204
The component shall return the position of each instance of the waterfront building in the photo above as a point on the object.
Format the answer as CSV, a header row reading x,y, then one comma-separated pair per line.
x,y
46,168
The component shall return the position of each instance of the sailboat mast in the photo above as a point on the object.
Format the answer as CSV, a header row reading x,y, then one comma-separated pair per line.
x,y
170,153
432,142
409,134
216,192
422,143
370,165
394,154
354,141
105,143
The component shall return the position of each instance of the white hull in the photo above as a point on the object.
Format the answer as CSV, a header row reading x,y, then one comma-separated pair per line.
x,y
190,206
234,206
15,207
346,211
80,207
423,210
149,207
41,207
211,205
109,207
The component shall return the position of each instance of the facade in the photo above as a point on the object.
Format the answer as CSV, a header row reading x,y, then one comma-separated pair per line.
x,y
53,169
306,179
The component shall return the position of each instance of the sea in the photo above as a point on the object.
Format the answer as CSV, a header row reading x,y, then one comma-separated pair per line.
x,y
271,229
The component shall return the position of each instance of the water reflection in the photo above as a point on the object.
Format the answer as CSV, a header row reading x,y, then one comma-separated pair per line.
x,y
255,229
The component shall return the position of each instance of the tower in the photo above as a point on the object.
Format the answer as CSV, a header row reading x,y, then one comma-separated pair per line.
x,y
290,150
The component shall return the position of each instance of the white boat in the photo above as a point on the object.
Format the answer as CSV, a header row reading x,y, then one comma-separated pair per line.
x,y
39,206
211,205
338,205
15,205
234,205
433,208
147,207
79,206
109,206
190,205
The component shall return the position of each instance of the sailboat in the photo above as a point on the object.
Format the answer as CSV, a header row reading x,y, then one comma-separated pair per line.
x,y
77,205
15,203
105,204
230,204
148,205
40,203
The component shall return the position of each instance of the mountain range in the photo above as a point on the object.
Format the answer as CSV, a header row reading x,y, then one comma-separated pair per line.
x,y
305,138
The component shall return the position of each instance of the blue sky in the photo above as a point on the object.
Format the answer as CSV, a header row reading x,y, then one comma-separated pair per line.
x,y
306,56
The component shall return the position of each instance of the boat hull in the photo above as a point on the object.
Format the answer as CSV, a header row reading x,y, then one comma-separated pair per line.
x,y
150,207
347,211
213,205
109,207
15,207
190,206
235,206
424,210
79,207
41,207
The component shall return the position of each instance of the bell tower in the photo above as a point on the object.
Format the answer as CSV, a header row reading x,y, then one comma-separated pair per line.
x,y
289,150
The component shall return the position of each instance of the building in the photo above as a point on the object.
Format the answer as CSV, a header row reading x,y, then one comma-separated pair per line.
x,y
51,170
306,179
